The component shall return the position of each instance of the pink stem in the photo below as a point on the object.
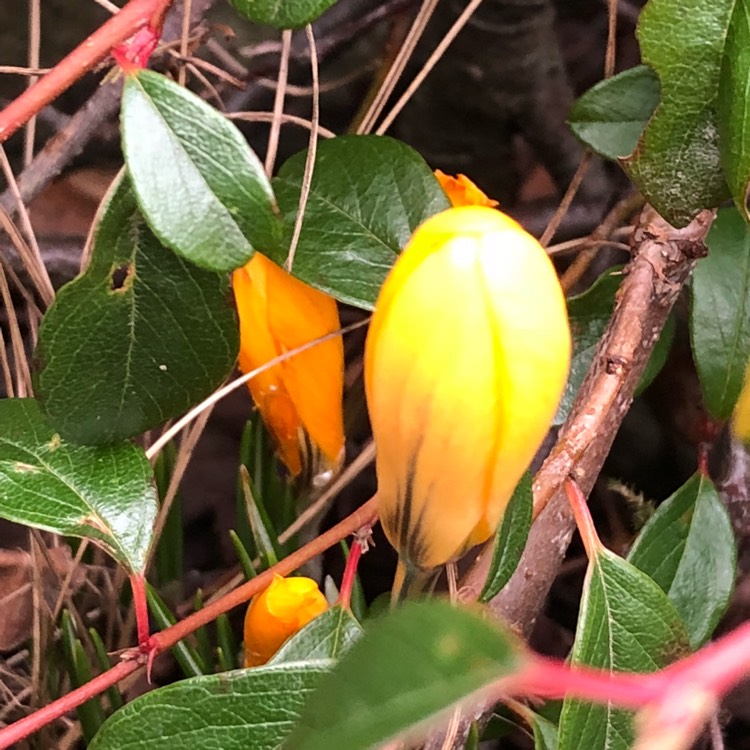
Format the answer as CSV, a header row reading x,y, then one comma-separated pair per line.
x,y
350,573
135,15
585,524
159,642
140,605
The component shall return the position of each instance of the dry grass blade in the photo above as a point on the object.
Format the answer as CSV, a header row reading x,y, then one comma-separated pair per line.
x,y
278,102
311,150
284,119
433,59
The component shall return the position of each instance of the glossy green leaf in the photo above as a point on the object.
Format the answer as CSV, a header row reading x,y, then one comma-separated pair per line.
x,y
734,105
200,186
510,539
139,338
628,624
688,548
677,164
328,636
368,194
545,733
103,493
239,710
283,14
409,665
720,313
610,117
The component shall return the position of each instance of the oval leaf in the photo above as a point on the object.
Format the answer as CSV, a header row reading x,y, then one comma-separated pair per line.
x,y
368,194
138,339
510,539
238,710
104,493
688,548
610,117
677,164
409,665
328,636
200,186
627,624
720,313
734,107
283,14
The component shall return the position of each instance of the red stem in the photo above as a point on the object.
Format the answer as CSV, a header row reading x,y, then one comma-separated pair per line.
x,y
584,522
159,642
11,735
140,605
134,16
350,573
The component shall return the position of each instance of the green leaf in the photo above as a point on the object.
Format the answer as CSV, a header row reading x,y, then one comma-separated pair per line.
x,y
409,665
510,539
589,314
628,624
200,186
734,105
368,194
677,164
720,313
659,354
139,338
239,710
105,493
545,733
610,117
328,636
688,548
283,14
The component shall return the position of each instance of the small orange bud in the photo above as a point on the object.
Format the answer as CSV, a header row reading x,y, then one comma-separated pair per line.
x,y
461,191
465,361
277,613
300,398
741,415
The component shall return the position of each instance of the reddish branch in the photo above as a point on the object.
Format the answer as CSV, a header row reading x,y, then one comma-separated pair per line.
x,y
136,15
156,644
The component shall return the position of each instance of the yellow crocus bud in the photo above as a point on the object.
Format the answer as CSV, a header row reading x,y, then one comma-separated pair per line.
x,y
461,191
465,361
741,415
277,613
300,398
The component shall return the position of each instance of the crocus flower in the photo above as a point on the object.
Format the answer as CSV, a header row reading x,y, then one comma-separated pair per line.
x,y
465,361
461,191
300,398
277,613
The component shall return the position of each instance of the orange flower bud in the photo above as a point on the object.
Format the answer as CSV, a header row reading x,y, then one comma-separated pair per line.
x,y
465,362
741,415
300,398
461,191
277,613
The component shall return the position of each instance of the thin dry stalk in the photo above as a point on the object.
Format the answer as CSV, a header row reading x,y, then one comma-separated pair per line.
x,y
285,119
23,387
311,150
278,102
432,60
367,123
32,260
35,33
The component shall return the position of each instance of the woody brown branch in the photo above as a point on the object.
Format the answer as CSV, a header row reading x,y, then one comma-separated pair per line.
x,y
663,258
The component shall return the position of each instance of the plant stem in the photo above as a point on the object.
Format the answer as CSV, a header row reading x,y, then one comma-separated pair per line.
x,y
136,15
134,659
